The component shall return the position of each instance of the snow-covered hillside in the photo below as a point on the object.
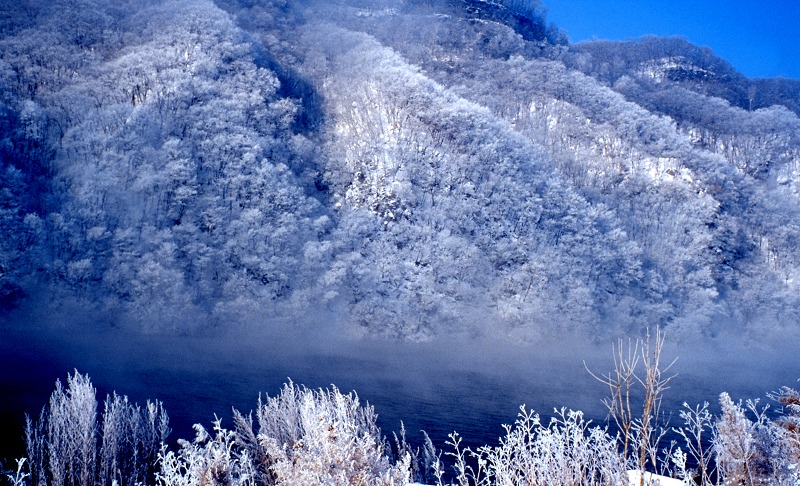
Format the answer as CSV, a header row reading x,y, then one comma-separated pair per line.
x,y
405,168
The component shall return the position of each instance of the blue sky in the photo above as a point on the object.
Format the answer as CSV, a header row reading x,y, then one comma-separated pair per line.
x,y
760,38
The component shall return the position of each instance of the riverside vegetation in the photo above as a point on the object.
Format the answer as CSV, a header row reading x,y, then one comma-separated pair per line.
x,y
306,437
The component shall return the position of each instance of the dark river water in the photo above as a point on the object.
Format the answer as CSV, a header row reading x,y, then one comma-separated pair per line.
x,y
441,386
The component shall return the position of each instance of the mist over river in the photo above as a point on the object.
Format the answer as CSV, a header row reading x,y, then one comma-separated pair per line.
x,y
440,386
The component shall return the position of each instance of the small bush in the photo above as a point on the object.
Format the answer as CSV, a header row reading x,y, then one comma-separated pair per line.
x,y
304,437
62,445
567,451
750,449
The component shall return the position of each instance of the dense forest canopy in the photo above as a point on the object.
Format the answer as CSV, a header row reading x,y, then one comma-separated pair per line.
x,y
405,168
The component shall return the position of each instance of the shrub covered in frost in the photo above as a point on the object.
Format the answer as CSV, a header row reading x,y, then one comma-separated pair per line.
x,y
301,437
751,449
67,446
566,451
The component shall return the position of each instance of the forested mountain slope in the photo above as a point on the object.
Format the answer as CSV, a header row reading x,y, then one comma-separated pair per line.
x,y
662,64
404,168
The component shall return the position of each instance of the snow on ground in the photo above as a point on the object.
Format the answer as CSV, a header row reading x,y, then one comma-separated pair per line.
x,y
653,479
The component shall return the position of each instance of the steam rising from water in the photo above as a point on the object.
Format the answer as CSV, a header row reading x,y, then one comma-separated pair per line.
x,y
469,385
